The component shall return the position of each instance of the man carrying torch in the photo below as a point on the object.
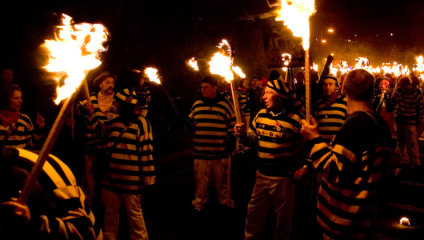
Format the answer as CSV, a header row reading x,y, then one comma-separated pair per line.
x,y
353,167
276,131
214,119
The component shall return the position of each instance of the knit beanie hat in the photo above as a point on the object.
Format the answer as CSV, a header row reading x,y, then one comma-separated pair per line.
x,y
281,88
127,96
332,77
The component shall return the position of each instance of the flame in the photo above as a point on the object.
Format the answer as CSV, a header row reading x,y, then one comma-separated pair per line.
x,y
152,74
222,63
295,14
286,58
315,67
239,72
193,63
73,53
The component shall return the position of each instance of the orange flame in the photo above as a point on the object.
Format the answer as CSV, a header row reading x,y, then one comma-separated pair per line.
x,y
74,53
152,74
295,14
222,63
193,63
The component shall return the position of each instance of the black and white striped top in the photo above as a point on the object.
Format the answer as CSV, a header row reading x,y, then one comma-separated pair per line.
x,y
214,120
57,204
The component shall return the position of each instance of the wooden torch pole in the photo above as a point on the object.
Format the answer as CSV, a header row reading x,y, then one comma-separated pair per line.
x,y
86,91
45,151
307,86
239,121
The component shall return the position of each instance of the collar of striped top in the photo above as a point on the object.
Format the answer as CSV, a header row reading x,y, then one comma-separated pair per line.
x,y
216,99
276,114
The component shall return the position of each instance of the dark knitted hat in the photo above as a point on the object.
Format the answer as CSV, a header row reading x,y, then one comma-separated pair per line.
x,y
332,77
281,88
127,96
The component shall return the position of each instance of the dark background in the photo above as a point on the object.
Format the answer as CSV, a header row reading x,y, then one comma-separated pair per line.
x,y
165,34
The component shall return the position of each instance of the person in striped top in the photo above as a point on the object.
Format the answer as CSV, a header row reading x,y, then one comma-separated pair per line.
x,y
276,132
143,97
214,118
100,109
244,100
353,167
18,126
409,111
56,208
130,166
331,110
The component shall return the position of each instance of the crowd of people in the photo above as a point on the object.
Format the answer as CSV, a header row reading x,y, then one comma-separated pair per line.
x,y
349,138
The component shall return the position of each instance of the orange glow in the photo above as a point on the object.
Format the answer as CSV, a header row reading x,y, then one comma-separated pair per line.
x,y
152,74
222,63
295,14
193,63
73,53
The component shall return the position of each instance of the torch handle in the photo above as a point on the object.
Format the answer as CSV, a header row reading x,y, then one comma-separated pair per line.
x,y
45,151
307,86
86,91
236,102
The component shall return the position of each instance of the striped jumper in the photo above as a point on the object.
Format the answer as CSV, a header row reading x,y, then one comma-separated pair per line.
x,y
57,204
352,170
331,118
131,163
214,120
277,135
409,107
23,134
94,138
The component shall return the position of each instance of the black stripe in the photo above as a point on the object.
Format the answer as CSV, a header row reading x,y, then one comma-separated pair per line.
x,y
59,170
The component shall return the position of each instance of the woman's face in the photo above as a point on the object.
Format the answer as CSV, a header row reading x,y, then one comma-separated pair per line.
x,y
245,84
383,87
15,101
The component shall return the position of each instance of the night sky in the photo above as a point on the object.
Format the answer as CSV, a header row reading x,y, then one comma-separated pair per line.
x,y
164,34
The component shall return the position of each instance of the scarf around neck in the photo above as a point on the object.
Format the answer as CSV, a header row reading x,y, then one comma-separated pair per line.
x,y
105,101
8,118
330,100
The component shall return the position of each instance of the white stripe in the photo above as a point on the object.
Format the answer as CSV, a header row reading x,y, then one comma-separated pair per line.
x,y
47,168
407,207
414,184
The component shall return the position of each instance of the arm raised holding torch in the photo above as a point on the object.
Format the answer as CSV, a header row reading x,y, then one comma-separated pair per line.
x,y
71,55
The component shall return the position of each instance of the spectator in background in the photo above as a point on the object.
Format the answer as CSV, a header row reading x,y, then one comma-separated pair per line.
x,y
382,102
256,99
408,102
244,97
18,126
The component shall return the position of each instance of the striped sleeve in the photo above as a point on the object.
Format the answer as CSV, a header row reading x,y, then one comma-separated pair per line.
x,y
420,107
252,136
145,150
70,218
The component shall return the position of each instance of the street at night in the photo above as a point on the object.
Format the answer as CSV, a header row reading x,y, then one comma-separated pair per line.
x,y
219,119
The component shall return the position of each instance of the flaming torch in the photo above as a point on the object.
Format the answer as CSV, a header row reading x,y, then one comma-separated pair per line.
x,y
71,55
193,63
222,64
295,14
